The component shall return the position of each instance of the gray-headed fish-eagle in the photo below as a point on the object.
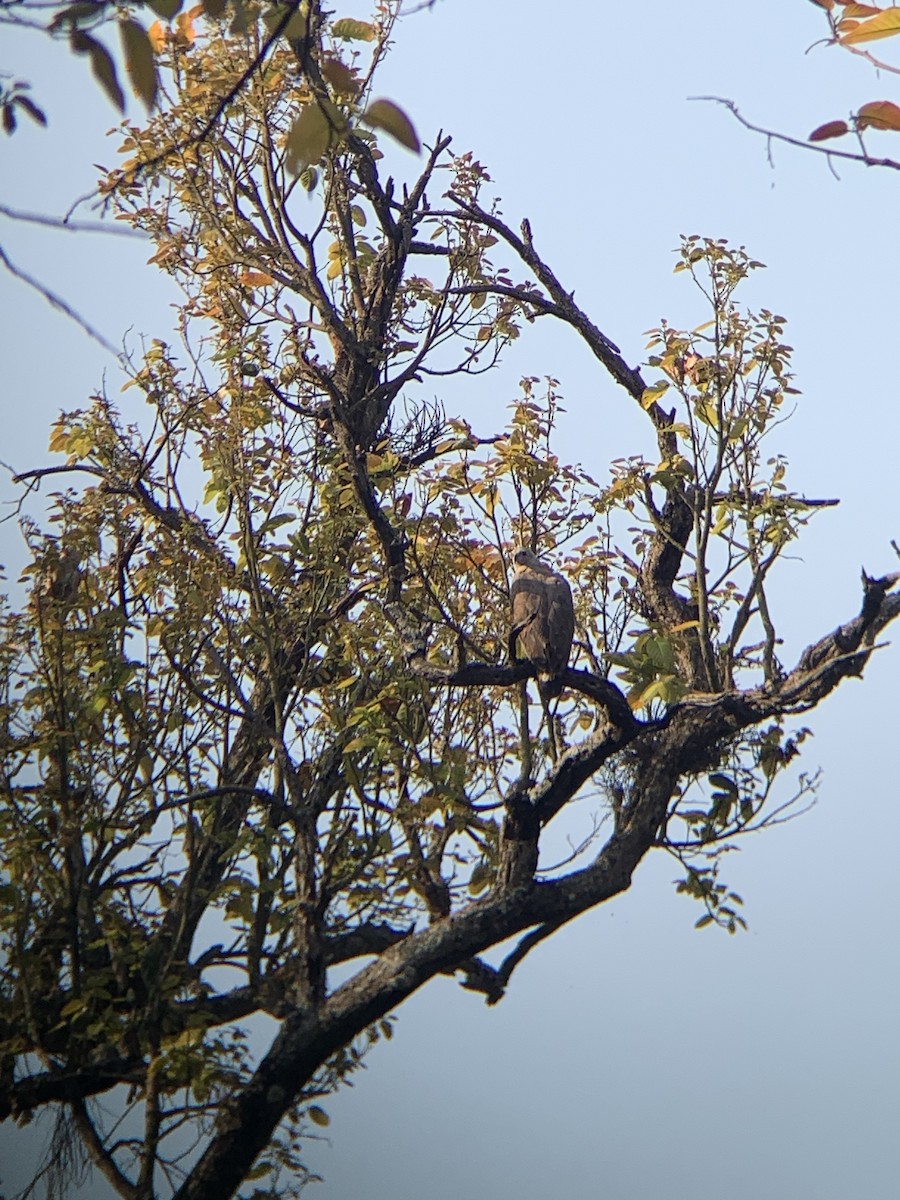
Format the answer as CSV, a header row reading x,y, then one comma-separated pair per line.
x,y
543,619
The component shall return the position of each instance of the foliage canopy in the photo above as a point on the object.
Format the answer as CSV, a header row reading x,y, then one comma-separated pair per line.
x,y
267,747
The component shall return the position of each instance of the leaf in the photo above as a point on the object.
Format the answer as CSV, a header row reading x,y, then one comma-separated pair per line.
x,y
653,393
350,30
886,24
340,76
830,129
318,1116
36,114
102,65
384,114
880,114
185,26
166,9
139,60
725,782
255,279
158,35
311,134
292,21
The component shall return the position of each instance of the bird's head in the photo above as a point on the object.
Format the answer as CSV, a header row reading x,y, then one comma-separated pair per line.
x,y
524,557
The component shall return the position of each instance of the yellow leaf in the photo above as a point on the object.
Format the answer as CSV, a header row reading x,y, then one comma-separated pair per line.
x,y
139,60
351,30
886,24
384,114
880,114
59,439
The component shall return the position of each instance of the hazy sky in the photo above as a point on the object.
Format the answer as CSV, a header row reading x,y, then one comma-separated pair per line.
x,y
634,1058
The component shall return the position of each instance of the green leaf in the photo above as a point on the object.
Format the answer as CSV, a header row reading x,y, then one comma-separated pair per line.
x,y
293,21
102,65
350,30
139,60
166,9
318,124
384,114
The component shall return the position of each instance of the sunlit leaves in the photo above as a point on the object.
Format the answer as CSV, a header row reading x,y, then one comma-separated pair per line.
x,y
885,24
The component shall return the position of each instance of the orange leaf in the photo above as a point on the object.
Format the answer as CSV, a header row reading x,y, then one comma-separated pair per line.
x,y
830,129
157,33
880,114
185,23
860,10
886,24
254,279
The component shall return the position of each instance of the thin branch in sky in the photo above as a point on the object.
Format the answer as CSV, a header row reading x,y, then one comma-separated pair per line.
x,y
802,143
59,304
32,218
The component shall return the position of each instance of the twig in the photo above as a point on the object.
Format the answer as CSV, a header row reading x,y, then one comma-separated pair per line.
x,y
31,218
58,303
803,145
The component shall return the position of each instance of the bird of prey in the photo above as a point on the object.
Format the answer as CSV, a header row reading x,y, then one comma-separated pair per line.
x,y
543,619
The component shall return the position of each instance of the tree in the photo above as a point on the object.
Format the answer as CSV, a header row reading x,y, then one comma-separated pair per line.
x,y
268,746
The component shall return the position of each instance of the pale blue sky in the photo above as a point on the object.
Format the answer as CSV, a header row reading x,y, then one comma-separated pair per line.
x,y
634,1057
